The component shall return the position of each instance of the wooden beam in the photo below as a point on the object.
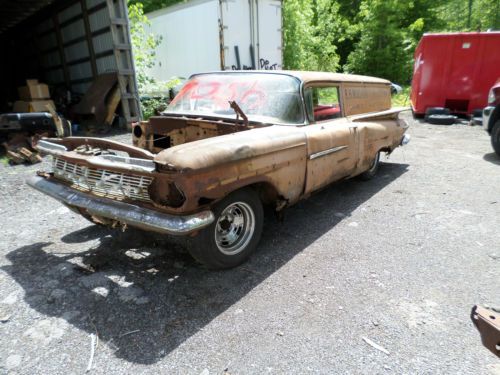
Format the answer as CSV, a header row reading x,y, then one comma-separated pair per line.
x,y
62,56
88,35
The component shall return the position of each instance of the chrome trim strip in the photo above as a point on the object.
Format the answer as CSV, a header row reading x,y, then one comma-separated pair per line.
x,y
122,162
145,163
405,140
123,212
50,148
105,161
326,152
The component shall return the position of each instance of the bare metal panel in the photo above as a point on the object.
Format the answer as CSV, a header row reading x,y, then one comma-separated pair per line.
x,y
102,43
99,19
93,3
79,71
73,30
76,51
51,59
70,12
106,64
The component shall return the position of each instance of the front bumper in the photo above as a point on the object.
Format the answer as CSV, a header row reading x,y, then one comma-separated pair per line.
x,y
486,117
123,212
405,140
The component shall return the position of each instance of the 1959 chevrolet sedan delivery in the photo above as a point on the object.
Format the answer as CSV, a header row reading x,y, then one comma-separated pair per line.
x,y
229,143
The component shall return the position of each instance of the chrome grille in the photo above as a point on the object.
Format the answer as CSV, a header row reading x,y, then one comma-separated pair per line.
x,y
102,182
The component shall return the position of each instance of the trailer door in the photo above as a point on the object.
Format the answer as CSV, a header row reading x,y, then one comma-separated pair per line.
x,y
236,23
268,29
251,34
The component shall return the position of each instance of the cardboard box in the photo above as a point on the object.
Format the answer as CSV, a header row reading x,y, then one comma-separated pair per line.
x,y
32,106
33,90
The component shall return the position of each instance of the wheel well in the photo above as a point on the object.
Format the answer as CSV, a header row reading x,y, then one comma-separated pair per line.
x,y
386,149
268,194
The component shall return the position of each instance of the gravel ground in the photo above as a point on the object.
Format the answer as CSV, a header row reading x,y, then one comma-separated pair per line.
x,y
399,260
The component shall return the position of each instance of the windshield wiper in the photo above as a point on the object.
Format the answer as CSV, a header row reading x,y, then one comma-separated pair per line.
x,y
239,112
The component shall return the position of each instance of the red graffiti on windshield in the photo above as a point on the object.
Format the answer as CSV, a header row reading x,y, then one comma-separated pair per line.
x,y
244,93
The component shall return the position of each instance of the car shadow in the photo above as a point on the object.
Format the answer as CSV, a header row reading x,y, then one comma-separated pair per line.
x,y
492,158
144,296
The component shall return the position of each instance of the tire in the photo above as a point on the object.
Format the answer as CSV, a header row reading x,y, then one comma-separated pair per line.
x,y
495,137
436,111
477,113
441,119
477,121
215,247
370,173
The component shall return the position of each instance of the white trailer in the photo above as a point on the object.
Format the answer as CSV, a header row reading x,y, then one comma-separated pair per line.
x,y
208,35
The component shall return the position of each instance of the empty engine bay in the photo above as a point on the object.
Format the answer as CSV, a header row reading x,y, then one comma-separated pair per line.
x,y
162,132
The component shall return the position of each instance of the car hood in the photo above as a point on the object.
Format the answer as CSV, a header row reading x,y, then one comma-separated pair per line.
x,y
232,147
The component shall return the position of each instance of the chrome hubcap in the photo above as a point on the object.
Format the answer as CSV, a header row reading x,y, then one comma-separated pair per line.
x,y
234,228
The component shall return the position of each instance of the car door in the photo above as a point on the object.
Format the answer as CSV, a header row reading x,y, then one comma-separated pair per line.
x,y
332,141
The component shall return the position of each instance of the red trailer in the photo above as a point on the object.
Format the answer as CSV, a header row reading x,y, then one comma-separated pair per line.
x,y
455,71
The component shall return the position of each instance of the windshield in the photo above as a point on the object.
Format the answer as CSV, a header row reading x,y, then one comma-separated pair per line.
x,y
271,98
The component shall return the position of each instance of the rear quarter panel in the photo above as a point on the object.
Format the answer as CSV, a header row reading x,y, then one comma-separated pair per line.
x,y
376,136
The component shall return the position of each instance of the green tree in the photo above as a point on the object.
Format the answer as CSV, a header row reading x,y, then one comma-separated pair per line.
x,y
152,5
470,15
389,33
144,46
309,34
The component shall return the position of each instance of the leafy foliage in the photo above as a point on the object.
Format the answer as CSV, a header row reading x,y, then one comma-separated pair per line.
x,y
308,25
374,37
144,45
402,99
389,33
152,5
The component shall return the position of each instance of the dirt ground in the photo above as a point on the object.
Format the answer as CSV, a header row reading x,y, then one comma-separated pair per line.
x,y
398,260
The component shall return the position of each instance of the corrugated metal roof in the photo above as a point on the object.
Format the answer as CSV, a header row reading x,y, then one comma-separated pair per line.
x,y
12,12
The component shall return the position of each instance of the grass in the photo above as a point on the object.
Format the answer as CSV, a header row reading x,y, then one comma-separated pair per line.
x,y
4,160
403,98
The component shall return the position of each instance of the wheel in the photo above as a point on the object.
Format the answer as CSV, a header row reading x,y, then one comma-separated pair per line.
x,y
441,119
495,137
370,173
435,111
233,235
477,113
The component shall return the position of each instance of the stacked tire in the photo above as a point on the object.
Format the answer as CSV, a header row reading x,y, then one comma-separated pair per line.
x,y
439,116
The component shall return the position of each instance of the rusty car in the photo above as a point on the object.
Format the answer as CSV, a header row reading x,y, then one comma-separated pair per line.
x,y
228,144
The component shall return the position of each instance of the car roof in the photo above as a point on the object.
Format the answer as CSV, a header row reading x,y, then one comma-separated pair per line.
x,y
309,77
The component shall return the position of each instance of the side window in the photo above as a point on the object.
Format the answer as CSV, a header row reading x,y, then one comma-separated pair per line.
x,y
323,103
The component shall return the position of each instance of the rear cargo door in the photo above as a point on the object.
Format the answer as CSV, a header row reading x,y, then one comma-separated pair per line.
x,y
236,26
268,30
251,34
